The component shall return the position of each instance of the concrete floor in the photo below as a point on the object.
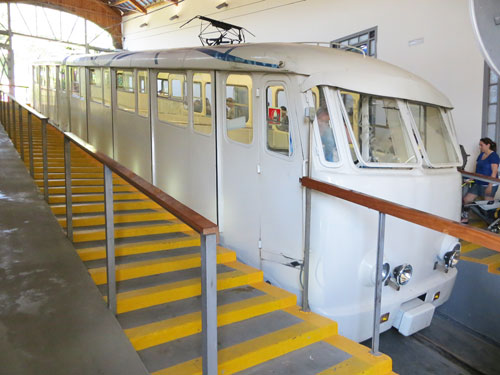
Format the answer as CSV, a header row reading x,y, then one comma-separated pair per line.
x,y
53,319
444,348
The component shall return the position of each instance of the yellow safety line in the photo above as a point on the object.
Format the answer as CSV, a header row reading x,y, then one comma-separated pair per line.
x,y
135,270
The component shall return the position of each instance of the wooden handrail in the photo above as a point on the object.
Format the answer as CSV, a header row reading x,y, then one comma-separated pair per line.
x,y
434,222
190,217
479,176
27,108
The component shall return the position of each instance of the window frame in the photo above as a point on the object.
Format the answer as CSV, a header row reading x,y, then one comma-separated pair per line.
x,y
170,97
203,100
92,99
134,92
486,104
74,94
251,113
337,43
283,87
146,91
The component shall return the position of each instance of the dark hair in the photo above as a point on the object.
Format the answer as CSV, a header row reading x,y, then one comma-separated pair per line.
x,y
488,141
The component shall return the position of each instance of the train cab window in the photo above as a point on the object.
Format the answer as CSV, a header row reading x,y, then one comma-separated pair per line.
x,y
378,129
106,80
172,102
278,128
62,78
52,77
434,134
143,94
96,85
202,105
125,90
75,81
323,118
239,121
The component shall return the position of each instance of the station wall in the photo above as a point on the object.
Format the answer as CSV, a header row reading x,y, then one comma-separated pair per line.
x,y
431,38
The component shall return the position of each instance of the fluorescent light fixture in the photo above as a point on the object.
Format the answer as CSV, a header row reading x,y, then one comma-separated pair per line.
x,y
144,24
174,17
222,5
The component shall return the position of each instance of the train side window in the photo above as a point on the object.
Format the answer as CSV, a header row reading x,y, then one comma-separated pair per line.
x,y
202,107
75,81
239,121
62,78
171,108
43,77
328,142
279,139
96,85
106,79
52,77
143,95
125,90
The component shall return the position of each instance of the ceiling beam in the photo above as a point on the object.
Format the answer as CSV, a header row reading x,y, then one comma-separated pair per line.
x,y
138,6
93,10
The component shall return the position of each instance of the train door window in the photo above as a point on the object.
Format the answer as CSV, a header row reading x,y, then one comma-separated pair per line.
x,y
36,73
106,79
75,81
239,121
202,106
52,77
172,101
62,78
143,93
125,90
83,87
279,139
323,118
96,85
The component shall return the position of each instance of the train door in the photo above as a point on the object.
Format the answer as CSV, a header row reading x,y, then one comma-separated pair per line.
x,y
63,99
281,164
238,148
184,152
99,116
131,121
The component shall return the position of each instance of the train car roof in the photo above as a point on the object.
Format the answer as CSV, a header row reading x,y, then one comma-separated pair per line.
x,y
320,65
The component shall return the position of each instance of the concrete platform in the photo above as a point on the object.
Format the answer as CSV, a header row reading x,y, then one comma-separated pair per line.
x,y
53,319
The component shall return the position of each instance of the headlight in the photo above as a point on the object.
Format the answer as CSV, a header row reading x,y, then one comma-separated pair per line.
x,y
386,271
451,257
403,274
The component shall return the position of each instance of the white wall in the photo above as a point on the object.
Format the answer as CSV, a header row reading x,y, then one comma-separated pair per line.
x,y
449,56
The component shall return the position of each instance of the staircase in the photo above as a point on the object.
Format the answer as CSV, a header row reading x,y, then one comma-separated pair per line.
x,y
261,328
478,254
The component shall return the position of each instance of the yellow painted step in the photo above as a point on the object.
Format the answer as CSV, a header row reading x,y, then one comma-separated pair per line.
x,y
89,221
79,182
86,208
144,268
99,252
157,333
90,189
361,362
134,231
78,169
54,199
157,295
265,348
56,176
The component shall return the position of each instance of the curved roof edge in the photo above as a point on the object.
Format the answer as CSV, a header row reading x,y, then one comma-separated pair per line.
x,y
322,65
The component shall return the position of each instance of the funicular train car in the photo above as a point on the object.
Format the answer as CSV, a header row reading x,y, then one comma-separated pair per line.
x,y
229,132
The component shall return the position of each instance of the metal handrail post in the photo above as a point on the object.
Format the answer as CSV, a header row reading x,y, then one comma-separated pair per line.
x,y
30,144
209,303
110,238
45,161
378,284
68,192
307,251
14,132
21,131
7,118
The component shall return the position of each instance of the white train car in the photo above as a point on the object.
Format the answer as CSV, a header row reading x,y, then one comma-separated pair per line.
x,y
224,130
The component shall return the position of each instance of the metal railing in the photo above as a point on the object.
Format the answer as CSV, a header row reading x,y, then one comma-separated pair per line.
x,y
384,207
208,231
